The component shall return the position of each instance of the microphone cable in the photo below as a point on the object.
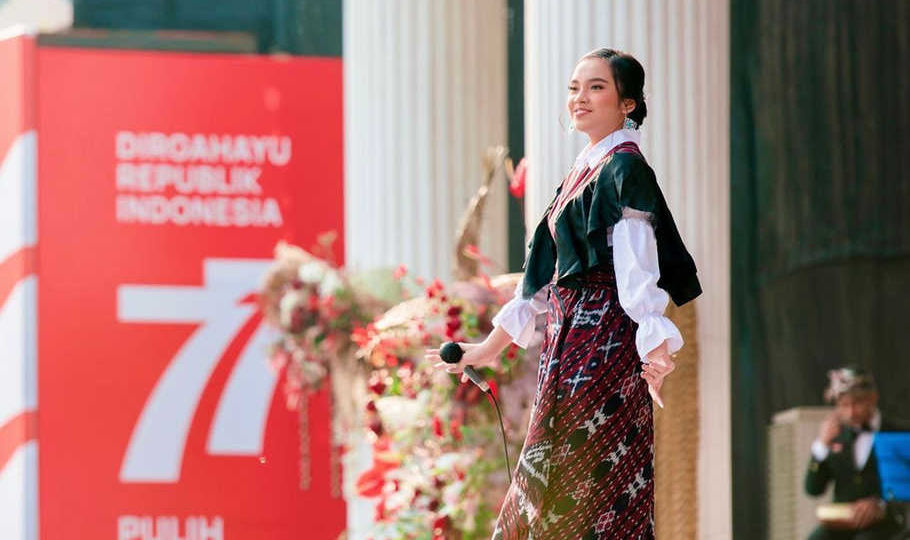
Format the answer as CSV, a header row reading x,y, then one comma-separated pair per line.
x,y
451,353
505,446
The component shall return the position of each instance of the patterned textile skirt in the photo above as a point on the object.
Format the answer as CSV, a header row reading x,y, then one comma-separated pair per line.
x,y
586,468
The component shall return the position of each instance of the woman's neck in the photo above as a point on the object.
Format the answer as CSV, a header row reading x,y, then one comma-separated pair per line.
x,y
593,139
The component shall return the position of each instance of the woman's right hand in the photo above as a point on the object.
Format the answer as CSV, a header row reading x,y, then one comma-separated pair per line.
x,y
659,365
475,354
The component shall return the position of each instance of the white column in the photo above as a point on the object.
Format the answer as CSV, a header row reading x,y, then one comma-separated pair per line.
x,y
40,15
684,48
425,95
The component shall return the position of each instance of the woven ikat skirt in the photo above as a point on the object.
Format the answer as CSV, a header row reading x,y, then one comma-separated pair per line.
x,y
586,467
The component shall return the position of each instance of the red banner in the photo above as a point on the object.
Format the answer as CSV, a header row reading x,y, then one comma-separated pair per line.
x,y
165,182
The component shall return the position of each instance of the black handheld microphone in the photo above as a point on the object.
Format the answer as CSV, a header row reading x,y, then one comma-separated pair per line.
x,y
451,353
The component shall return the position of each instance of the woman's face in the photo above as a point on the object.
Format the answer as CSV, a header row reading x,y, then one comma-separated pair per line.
x,y
593,101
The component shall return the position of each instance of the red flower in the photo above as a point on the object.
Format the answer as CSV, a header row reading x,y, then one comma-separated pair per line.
x,y
380,511
519,178
376,385
401,271
494,388
440,526
437,426
360,336
455,429
371,481
375,426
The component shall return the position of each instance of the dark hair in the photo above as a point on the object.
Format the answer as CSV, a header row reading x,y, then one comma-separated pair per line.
x,y
629,77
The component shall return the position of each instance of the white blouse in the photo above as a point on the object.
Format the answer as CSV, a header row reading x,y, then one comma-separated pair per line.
x,y
636,267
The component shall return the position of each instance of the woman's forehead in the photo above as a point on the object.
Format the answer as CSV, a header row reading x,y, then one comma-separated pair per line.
x,y
591,68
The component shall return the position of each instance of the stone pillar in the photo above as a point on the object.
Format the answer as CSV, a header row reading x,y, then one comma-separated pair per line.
x,y
425,96
684,48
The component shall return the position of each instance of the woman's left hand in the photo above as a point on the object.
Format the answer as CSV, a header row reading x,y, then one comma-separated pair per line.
x,y
659,365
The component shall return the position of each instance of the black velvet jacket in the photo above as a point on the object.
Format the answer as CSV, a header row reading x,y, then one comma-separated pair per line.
x,y
625,180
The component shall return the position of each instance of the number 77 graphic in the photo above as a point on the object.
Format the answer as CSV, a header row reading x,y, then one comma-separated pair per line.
x,y
156,447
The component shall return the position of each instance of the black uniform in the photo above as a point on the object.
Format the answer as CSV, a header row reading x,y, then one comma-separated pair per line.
x,y
850,485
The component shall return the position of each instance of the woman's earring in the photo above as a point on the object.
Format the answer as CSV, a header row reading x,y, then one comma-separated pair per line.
x,y
571,126
630,124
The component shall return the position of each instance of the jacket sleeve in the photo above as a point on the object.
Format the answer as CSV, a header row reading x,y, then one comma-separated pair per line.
x,y
518,315
637,273
628,182
818,475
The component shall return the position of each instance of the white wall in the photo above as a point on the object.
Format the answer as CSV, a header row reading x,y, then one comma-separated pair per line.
x,y
37,15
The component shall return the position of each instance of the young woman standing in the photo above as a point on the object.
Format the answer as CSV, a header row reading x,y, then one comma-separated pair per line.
x,y
604,261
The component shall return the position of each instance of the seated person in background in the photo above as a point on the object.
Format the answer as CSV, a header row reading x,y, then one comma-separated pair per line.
x,y
843,453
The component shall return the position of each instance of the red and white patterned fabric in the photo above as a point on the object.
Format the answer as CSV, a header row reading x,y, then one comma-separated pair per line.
x,y
18,292
586,467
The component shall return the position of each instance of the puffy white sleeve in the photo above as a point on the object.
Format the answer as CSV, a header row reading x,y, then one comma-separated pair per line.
x,y
518,314
637,272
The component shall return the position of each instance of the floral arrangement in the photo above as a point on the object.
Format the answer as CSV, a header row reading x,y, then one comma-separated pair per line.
x,y
317,307
439,470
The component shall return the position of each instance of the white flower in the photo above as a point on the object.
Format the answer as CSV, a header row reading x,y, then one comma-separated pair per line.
x,y
312,271
313,372
451,494
289,301
330,282
398,413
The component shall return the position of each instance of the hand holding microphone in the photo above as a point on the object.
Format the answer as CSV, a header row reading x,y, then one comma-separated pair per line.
x,y
464,358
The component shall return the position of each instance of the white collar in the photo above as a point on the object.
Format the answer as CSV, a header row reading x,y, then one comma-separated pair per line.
x,y
591,155
876,422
